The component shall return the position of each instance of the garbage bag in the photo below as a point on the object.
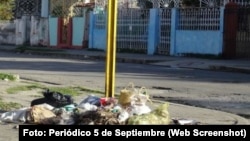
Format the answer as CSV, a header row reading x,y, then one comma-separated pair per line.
x,y
91,99
53,98
39,113
140,109
159,116
15,116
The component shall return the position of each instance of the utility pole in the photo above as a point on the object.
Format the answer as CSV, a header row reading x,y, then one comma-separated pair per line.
x,y
111,49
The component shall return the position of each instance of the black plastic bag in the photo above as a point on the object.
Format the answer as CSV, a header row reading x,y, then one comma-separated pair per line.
x,y
53,98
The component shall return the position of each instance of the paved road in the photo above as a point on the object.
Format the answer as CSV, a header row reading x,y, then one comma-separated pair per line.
x,y
215,90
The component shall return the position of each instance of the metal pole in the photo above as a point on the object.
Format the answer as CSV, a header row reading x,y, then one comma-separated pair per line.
x,y
111,49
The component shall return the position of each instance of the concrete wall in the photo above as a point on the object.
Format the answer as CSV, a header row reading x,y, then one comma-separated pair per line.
x,y
26,30
78,31
198,42
209,42
22,30
39,31
32,30
7,32
43,31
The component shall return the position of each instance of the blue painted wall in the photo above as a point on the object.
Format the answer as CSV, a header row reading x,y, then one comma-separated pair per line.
x,y
53,31
198,42
78,31
99,41
97,37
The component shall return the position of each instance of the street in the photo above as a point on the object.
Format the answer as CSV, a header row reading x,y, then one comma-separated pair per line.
x,y
223,91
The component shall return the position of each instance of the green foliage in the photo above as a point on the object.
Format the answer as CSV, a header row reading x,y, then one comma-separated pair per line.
x,y
17,89
6,8
73,91
5,76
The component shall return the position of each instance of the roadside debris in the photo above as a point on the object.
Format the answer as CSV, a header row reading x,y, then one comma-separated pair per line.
x,y
54,99
15,116
159,116
185,122
130,108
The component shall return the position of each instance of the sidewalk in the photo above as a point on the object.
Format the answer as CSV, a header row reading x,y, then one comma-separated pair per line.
x,y
205,116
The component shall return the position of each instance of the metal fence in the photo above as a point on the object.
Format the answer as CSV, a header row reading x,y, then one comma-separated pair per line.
x,y
27,8
65,8
243,33
199,19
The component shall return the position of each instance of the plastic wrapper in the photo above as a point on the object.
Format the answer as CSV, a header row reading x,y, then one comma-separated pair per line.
x,y
159,116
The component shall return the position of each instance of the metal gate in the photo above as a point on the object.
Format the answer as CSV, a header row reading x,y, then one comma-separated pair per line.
x,y
243,33
165,30
132,24
132,30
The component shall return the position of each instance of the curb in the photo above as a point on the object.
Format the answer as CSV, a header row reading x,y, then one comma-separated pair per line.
x,y
126,60
85,57
229,69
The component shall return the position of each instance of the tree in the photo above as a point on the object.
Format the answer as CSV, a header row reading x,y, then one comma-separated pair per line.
x,y
190,3
6,9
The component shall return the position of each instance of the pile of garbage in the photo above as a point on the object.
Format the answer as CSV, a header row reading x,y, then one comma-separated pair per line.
x,y
55,108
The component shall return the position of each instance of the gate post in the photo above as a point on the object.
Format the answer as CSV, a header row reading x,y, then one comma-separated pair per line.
x,y
174,22
153,31
91,30
230,30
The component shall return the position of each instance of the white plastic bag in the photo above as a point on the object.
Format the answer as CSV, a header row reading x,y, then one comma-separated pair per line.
x,y
123,116
140,98
159,116
15,116
140,109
